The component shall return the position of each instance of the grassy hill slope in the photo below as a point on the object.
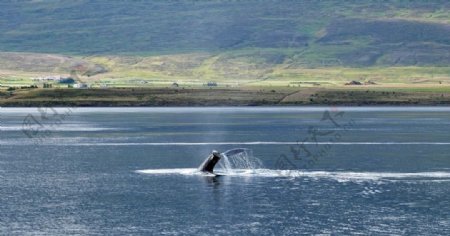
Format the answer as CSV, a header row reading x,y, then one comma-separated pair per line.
x,y
313,33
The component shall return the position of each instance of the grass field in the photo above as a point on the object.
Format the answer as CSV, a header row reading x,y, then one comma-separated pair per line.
x,y
225,96
237,69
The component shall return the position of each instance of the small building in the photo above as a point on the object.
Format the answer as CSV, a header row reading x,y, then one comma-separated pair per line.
x,y
55,78
80,85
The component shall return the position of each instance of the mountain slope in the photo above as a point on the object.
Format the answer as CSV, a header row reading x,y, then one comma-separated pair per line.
x,y
307,33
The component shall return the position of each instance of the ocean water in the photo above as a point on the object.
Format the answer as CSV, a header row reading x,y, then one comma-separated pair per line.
x,y
310,170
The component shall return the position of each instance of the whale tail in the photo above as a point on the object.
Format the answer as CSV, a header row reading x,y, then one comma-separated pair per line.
x,y
210,162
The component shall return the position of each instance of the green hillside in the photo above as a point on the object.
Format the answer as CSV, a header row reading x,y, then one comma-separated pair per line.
x,y
234,52
308,33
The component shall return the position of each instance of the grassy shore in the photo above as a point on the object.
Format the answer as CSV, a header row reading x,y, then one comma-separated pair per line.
x,y
361,95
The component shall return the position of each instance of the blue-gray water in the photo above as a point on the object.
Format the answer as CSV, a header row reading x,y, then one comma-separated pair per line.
x,y
132,171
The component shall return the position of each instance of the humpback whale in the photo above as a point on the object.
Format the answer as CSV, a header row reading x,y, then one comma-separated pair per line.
x,y
211,161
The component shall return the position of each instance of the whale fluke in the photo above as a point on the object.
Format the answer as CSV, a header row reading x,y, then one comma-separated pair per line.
x,y
210,162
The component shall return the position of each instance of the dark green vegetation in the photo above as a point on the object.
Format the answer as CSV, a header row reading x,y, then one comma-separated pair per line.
x,y
141,97
310,33
221,97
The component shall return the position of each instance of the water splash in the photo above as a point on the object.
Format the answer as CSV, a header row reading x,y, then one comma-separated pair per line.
x,y
239,159
340,176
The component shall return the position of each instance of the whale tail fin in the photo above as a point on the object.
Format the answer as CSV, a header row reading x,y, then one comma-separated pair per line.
x,y
210,162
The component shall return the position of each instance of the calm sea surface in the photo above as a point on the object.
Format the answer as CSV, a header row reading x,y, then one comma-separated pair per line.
x,y
120,171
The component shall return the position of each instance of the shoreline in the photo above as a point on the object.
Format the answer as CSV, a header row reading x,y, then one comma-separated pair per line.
x,y
34,105
245,97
